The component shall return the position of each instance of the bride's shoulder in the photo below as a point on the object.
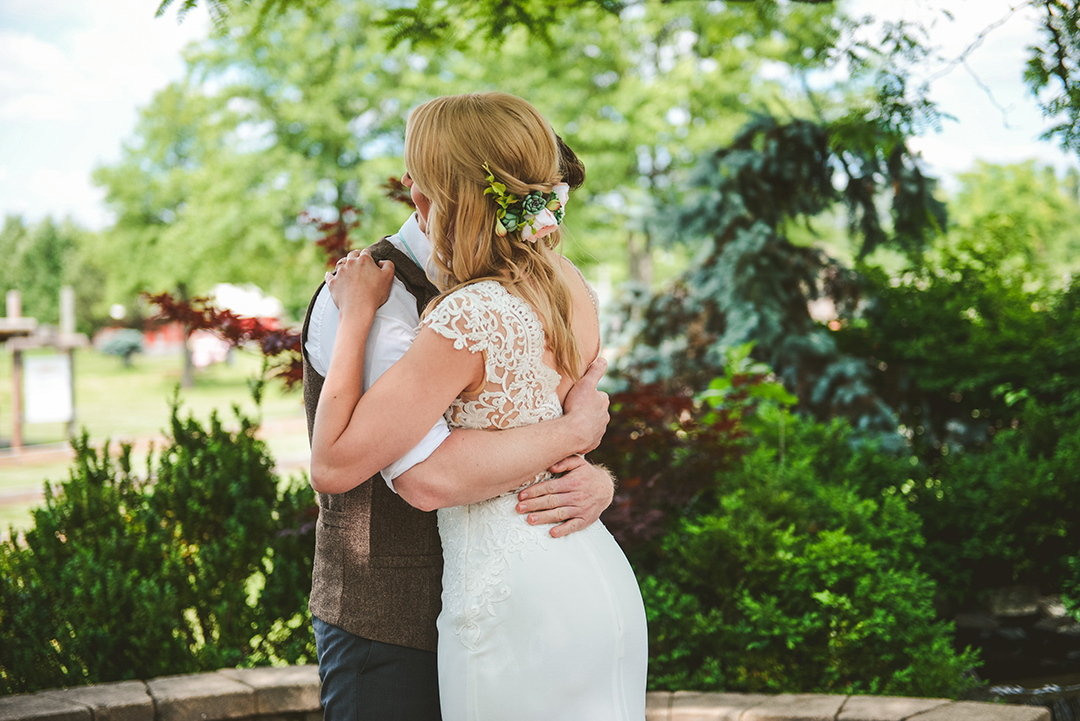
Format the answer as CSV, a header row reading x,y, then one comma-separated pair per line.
x,y
472,296
467,313
579,286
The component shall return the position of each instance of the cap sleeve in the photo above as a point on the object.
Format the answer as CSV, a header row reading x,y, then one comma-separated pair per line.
x,y
467,317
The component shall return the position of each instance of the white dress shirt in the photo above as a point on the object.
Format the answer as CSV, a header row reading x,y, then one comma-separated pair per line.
x,y
392,332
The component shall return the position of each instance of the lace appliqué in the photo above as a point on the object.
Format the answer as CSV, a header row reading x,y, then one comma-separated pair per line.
x,y
520,389
481,541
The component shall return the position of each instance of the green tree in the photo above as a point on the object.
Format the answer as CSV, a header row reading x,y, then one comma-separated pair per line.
x,y
40,259
267,129
749,282
306,114
640,95
36,258
1022,217
1051,72
438,22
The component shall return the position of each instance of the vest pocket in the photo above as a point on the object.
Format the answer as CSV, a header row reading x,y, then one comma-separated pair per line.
x,y
333,519
328,570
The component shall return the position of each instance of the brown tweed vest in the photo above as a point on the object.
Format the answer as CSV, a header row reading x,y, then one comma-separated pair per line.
x,y
378,560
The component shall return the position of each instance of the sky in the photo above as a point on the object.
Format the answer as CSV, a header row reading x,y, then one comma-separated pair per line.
x,y
74,73
996,117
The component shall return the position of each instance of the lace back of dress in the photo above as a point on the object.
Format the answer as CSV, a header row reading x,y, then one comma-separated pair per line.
x,y
519,388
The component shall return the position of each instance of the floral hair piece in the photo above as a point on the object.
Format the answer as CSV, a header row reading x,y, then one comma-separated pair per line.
x,y
534,216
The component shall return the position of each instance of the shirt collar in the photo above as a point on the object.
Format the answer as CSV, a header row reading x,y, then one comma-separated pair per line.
x,y
417,245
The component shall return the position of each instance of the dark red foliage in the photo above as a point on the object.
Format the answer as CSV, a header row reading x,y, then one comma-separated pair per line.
x,y
334,234
666,450
278,343
396,190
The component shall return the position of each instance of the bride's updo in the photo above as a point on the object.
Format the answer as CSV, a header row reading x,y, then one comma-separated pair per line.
x,y
448,141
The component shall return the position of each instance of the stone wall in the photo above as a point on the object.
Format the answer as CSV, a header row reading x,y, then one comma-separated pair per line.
x,y
292,694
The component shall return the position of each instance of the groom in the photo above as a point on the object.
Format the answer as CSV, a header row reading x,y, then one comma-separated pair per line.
x,y
378,561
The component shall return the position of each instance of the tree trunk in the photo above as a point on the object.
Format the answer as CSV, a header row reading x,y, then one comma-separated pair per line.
x,y
187,378
640,257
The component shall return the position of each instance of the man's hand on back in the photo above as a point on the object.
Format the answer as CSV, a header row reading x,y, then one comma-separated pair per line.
x,y
574,500
585,409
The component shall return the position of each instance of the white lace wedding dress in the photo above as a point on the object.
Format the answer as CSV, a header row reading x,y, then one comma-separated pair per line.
x,y
532,627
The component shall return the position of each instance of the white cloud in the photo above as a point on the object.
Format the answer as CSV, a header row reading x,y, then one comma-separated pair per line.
x,y
51,11
47,186
72,76
36,107
25,61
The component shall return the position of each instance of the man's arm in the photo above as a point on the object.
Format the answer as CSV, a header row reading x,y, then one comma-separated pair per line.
x,y
474,465
573,501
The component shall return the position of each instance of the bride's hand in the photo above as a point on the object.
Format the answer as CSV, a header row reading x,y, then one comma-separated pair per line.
x,y
359,283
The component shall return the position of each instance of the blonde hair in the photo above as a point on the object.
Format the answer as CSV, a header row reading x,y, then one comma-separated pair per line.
x,y
447,142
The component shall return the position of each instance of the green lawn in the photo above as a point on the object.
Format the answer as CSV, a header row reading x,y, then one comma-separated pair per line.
x,y
128,403
113,401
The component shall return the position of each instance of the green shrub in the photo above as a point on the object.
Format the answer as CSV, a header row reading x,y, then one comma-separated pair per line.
x,y
960,345
124,343
203,562
1006,515
665,448
788,578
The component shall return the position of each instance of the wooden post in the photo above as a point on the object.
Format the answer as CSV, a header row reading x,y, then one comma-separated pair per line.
x,y
14,304
71,421
17,402
67,330
14,310
67,311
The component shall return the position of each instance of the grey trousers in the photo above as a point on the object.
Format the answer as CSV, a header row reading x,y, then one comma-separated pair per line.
x,y
365,680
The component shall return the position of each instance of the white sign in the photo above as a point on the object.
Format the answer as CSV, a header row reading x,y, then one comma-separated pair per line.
x,y
47,388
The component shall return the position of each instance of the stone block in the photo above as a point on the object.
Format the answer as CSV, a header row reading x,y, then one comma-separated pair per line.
x,y
796,707
119,701
658,706
976,711
201,697
35,707
697,706
313,716
886,708
285,689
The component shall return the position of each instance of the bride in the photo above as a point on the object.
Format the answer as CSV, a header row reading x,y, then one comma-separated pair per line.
x,y
532,627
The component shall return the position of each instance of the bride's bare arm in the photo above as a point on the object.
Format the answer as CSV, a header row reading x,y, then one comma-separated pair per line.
x,y
400,408
356,434
474,465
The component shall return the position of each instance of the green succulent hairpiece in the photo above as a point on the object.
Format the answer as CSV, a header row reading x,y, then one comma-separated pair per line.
x,y
534,215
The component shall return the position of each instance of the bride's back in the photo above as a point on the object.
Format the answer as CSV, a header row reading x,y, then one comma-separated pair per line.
x,y
520,382
584,323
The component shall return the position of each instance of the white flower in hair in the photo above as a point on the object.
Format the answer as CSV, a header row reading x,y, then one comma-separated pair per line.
x,y
535,215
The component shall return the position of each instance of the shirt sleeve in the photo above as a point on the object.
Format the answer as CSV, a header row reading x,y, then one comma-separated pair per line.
x,y
322,330
392,333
